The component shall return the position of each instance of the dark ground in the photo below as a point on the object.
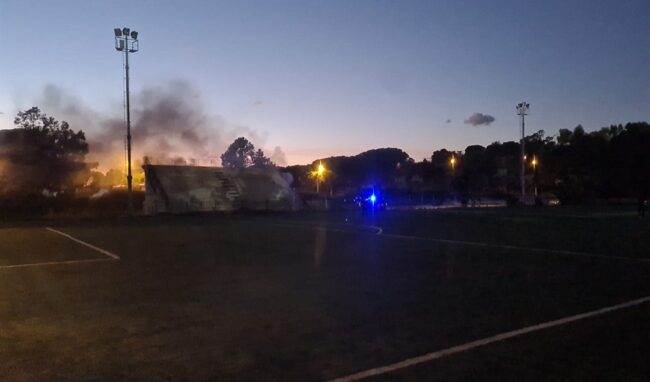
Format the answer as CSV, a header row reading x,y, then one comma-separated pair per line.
x,y
314,297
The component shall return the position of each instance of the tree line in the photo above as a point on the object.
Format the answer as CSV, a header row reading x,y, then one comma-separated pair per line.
x,y
575,166
42,155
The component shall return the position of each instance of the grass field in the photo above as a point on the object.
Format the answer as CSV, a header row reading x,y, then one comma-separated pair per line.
x,y
323,296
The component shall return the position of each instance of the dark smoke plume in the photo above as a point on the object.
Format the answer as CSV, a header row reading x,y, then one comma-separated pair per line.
x,y
169,125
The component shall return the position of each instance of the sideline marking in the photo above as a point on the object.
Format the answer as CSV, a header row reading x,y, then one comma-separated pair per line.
x,y
486,341
54,263
380,231
110,256
518,248
102,251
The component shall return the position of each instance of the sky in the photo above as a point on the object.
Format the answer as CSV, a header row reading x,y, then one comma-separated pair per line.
x,y
311,79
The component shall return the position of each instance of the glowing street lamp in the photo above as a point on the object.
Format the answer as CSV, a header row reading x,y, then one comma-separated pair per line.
x,y
452,162
319,174
534,163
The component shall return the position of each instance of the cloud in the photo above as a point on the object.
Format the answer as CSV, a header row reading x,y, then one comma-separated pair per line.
x,y
478,119
448,121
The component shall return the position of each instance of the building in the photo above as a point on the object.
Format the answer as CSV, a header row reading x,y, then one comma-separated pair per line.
x,y
181,189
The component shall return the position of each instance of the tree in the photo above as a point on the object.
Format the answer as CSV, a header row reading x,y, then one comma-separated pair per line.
x,y
42,154
474,172
260,160
443,171
564,137
241,153
441,159
629,160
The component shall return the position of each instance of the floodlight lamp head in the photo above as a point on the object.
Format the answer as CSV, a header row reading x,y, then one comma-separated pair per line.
x,y
118,32
522,107
126,32
134,35
133,46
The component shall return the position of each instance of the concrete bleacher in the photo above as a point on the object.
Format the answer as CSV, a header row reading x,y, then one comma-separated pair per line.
x,y
181,189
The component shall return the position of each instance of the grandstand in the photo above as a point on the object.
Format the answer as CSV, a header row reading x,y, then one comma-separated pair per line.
x,y
183,189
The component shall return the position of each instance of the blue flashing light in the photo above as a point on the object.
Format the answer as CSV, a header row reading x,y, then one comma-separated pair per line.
x,y
373,198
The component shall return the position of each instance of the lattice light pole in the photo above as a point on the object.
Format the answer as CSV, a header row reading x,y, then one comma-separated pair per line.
x,y
522,111
127,41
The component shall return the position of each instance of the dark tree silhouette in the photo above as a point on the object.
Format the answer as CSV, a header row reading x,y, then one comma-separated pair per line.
x,y
575,166
42,154
241,154
260,160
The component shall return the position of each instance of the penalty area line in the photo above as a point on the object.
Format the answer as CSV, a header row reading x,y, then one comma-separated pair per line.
x,y
110,256
85,244
486,341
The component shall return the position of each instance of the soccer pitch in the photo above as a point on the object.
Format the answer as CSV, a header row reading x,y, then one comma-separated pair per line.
x,y
400,295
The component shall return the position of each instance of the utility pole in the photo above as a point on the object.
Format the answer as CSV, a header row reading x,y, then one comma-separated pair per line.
x,y
522,111
127,41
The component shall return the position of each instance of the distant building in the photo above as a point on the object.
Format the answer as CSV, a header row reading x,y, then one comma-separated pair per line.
x,y
180,189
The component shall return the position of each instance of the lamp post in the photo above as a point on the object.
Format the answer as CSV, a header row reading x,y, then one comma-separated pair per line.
x,y
320,171
522,111
452,163
126,41
534,163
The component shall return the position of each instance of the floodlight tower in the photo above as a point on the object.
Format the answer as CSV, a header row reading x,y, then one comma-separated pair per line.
x,y
522,111
126,41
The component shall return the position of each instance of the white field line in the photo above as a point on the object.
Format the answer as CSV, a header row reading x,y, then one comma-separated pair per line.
x,y
110,256
486,341
54,263
518,248
380,231
102,251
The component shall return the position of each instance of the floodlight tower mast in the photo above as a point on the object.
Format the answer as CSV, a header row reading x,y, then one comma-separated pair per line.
x,y
522,111
127,41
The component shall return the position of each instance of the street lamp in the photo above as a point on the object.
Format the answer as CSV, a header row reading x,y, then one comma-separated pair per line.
x,y
126,41
318,174
452,163
522,111
534,163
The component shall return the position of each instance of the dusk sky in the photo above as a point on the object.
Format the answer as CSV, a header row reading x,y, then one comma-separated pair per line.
x,y
323,78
